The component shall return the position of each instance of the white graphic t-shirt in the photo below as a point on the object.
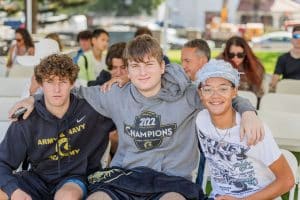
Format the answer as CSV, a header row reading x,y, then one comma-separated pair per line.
x,y
236,169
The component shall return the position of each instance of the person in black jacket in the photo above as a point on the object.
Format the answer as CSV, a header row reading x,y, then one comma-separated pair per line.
x,y
63,140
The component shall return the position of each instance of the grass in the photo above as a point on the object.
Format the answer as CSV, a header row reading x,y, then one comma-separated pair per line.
x,y
268,58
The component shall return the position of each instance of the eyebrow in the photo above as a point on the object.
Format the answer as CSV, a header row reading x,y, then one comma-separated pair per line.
x,y
218,85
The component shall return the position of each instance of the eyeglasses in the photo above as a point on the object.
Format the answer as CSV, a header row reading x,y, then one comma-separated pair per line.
x,y
239,55
19,39
223,90
296,36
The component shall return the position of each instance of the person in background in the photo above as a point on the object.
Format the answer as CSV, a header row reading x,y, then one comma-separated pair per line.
x,y
115,65
24,46
240,55
288,64
43,48
194,54
115,61
92,62
55,36
238,171
84,40
145,30
117,68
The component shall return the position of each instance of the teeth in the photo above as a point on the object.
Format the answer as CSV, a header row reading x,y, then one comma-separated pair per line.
x,y
216,103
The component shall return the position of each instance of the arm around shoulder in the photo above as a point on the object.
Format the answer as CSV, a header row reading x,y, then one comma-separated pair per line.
x,y
251,125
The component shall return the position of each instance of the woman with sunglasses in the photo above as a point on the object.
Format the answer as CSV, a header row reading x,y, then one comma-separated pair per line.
x,y
23,46
240,55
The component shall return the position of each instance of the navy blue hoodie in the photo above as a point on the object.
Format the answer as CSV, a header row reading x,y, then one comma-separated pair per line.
x,y
56,148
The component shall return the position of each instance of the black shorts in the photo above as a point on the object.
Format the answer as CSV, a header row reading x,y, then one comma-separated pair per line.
x,y
33,185
141,183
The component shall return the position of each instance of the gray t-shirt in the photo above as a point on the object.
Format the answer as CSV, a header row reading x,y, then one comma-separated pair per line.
x,y
156,132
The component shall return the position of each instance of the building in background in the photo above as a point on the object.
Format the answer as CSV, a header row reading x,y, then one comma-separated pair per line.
x,y
196,13
272,13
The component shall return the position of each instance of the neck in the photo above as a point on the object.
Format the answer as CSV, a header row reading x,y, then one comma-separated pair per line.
x,y
97,53
224,121
149,93
152,92
58,111
295,52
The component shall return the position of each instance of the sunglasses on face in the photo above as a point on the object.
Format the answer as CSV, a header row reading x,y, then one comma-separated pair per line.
x,y
18,39
239,55
296,36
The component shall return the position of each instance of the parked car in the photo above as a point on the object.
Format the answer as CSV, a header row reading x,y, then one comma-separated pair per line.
x,y
273,40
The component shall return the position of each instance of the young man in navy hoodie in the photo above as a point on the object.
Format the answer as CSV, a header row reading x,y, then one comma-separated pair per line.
x,y
63,139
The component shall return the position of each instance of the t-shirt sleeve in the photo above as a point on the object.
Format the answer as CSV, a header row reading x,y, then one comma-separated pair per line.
x,y
280,65
242,105
267,150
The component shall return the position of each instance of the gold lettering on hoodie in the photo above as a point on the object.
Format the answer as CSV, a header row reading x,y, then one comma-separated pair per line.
x,y
63,147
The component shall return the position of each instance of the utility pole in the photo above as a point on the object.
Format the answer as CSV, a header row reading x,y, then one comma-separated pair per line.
x,y
31,8
256,10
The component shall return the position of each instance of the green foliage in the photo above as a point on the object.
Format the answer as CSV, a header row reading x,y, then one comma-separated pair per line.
x,y
125,7
115,7
268,58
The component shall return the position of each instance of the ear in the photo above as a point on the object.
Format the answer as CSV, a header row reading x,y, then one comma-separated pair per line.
x,y
93,40
73,85
234,92
163,67
200,93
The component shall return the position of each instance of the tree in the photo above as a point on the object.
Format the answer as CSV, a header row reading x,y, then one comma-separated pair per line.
x,y
125,7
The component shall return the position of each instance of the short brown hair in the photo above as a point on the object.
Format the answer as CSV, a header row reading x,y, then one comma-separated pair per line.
x,y
85,35
55,36
201,46
296,28
115,51
143,30
57,65
141,46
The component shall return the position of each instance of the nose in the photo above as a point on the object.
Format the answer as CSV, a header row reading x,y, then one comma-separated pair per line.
x,y
57,87
185,66
118,72
142,70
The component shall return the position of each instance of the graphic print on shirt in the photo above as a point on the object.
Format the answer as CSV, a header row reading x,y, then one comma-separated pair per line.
x,y
147,130
107,175
62,143
230,169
